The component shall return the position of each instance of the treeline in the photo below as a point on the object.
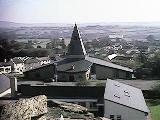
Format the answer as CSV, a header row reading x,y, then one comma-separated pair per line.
x,y
12,48
149,67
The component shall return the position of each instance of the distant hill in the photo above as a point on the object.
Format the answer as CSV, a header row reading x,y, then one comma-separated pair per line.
x,y
6,24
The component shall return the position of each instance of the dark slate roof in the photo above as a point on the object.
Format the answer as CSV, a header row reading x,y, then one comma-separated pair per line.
x,y
16,60
76,66
125,95
76,46
31,60
43,58
37,66
4,64
4,83
107,64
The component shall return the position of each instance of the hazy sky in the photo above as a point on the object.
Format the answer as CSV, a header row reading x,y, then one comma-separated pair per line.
x,y
81,11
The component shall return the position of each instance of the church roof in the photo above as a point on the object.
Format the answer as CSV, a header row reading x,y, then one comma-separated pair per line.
x,y
77,66
76,46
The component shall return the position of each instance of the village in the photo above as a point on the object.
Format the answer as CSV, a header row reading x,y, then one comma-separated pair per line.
x,y
105,84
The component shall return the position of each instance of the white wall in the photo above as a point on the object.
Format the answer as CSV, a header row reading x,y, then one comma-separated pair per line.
x,y
19,68
111,108
5,69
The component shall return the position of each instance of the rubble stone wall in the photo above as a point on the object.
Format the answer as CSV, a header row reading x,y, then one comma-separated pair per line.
x,y
25,109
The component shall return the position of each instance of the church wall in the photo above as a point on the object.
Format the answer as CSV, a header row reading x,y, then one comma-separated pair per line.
x,y
62,76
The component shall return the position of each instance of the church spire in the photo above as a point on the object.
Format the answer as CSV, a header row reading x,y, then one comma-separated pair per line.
x,y
76,47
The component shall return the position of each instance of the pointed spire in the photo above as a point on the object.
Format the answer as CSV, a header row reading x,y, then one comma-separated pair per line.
x,y
76,47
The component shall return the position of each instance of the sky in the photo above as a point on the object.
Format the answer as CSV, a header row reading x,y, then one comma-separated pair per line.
x,y
80,11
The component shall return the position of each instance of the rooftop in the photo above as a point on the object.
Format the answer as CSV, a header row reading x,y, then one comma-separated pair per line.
x,y
77,66
4,64
107,64
125,95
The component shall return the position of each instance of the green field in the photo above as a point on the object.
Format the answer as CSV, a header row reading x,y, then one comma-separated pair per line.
x,y
154,106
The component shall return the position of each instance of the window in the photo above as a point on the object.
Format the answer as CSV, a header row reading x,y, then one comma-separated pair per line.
x,y
126,93
117,96
1,69
37,75
117,85
119,117
112,117
93,105
82,104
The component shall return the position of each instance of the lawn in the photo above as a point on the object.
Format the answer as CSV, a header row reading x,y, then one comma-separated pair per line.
x,y
154,106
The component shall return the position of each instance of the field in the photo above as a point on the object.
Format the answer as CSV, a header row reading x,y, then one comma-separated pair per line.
x,y
154,106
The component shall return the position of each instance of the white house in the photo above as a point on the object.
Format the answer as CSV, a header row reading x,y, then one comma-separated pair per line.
x,y
5,67
124,102
17,65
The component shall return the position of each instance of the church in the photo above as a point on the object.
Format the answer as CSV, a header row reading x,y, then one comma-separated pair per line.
x,y
77,65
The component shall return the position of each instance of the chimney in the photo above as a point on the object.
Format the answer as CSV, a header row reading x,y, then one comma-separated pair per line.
x,y
13,85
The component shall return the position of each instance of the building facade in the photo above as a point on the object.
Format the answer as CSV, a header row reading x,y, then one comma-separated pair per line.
x,y
124,102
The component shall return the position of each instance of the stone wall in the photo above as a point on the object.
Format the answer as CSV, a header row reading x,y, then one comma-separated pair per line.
x,y
33,108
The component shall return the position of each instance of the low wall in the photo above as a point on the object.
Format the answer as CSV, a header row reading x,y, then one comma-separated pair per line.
x,y
63,91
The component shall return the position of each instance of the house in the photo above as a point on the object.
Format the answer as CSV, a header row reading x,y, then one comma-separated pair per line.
x,y
4,85
114,37
5,67
124,102
17,65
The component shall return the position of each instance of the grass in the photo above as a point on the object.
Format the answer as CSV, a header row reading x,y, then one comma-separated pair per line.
x,y
154,106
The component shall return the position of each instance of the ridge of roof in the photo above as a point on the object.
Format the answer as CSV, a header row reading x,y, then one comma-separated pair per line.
x,y
108,64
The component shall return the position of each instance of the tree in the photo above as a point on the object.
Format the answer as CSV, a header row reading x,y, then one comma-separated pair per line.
x,y
150,38
39,46
5,50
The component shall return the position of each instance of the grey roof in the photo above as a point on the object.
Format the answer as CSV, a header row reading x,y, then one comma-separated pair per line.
x,y
77,66
4,64
108,64
31,60
16,60
141,84
125,95
76,46
4,83
36,66
43,58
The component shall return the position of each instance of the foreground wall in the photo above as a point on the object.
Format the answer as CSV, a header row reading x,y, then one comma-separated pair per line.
x,y
25,109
